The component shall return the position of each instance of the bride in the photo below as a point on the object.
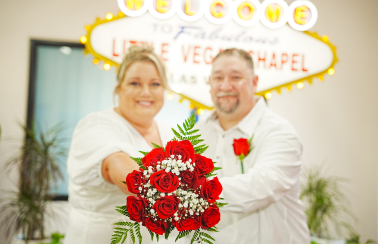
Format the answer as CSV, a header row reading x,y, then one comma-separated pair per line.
x,y
102,142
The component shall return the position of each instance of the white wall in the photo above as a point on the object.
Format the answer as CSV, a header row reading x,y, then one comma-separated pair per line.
x,y
337,119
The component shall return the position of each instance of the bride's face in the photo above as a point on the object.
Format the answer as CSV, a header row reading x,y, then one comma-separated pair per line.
x,y
141,95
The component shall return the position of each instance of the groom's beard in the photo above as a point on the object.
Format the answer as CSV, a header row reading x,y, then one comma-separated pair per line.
x,y
226,106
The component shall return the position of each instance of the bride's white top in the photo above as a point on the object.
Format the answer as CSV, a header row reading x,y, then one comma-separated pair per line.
x,y
93,200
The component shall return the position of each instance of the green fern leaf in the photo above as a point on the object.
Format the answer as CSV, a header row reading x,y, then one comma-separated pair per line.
x,y
195,236
210,175
124,237
144,153
137,160
180,129
185,126
201,149
207,236
137,232
157,237
156,146
191,121
116,238
195,142
177,134
193,138
192,132
221,204
151,234
132,235
207,241
182,234
122,210
215,169
212,229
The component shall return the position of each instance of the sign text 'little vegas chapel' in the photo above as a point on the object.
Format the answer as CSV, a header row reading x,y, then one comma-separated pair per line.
x,y
188,34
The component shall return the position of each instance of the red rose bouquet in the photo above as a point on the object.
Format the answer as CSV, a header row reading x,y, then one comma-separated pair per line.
x,y
174,190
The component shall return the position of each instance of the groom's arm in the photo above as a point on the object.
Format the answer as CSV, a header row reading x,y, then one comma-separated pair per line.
x,y
276,170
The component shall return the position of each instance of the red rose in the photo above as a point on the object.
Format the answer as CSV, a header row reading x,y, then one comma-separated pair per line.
x,y
192,179
154,156
187,224
241,146
164,182
211,190
203,165
183,148
159,227
166,206
210,217
134,180
136,206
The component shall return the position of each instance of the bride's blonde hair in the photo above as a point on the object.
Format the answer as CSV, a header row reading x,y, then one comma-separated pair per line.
x,y
140,53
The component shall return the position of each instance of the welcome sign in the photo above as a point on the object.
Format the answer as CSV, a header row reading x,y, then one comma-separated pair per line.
x,y
283,56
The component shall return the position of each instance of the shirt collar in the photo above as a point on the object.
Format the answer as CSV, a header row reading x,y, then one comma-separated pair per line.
x,y
248,124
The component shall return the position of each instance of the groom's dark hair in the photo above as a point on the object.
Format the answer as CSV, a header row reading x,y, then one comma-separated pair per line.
x,y
237,52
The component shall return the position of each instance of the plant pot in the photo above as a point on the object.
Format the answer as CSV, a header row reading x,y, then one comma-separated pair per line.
x,y
20,241
326,241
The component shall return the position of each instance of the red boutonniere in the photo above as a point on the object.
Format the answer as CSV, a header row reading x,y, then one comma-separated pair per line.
x,y
242,147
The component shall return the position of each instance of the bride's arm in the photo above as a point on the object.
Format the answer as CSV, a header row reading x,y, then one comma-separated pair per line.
x,y
116,167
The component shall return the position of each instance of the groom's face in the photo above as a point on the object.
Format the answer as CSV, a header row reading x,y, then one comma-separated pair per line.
x,y
233,84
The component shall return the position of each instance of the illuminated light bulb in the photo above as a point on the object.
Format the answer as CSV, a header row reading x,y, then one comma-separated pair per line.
x,y
321,78
289,88
200,111
191,106
83,39
96,61
268,95
169,96
331,71
106,66
325,38
300,85
87,27
109,16
181,100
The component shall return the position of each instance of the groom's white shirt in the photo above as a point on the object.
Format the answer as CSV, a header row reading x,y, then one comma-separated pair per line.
x,y
264,205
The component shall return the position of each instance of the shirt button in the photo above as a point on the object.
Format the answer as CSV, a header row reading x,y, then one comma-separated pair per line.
x,y
223,136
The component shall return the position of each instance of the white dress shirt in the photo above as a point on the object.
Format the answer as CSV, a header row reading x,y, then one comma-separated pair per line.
x,y
93,199
263,203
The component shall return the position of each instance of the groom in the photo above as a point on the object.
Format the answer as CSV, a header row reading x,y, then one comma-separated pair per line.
x,y
263,203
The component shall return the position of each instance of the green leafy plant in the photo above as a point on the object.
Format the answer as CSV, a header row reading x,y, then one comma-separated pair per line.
x,y
24,211
325,204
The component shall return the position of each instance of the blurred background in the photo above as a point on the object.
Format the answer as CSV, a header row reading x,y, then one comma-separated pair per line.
x,y
337,118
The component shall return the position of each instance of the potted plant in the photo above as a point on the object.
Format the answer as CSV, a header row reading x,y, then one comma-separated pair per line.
x,y
23,212
325,206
